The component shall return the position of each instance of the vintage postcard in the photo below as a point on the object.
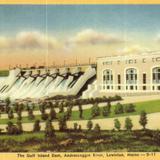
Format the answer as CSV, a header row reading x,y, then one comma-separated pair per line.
x,y
79,80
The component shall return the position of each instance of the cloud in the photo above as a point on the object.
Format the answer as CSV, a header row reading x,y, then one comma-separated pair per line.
x,y
157,39
92,37
132,49
28,40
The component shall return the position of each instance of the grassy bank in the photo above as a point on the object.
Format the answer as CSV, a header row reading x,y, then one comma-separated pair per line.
x,y
81,142
4,73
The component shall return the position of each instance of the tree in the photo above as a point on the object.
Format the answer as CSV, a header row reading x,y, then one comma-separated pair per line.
x,y
68,112
75,126
36,127
16,107
143,119
44,116
89,125
80,111
109,105
42,107
52,114
61,107
105,111
79,128
118,109
129,108
128,124
19,127
10,114
117,124
19,114
95,110
62,122
11,128
8,102
49,131
30,114
97,130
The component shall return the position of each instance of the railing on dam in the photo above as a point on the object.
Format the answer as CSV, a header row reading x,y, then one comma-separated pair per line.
x,y
55,66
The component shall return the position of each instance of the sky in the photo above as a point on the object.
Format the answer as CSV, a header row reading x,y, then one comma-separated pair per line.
x,y
58,34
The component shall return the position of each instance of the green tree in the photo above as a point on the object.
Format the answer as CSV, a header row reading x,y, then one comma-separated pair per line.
x,y
49,131
61,107
89,125
68,112
62,121
80,111
30,114
16,107
79,128
75,126
19,114
95,110
97,130
129,108
128,124
19,127
109,105
105,111
52,114
11,128
143,119
118,109
44,116
42,107
7,101
10,114
36,127
117,124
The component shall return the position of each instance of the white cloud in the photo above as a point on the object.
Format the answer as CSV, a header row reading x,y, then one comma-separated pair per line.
x,y
90,36
158,38
28,40
132,49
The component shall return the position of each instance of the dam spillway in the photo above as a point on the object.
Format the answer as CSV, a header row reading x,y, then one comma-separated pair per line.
x,y
39,83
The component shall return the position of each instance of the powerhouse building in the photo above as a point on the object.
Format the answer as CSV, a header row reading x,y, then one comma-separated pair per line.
x,y
130,74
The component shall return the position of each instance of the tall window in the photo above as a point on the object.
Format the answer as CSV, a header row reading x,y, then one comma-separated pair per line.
x,y
107,79
131,79
144,78
119,81
144,81
156,78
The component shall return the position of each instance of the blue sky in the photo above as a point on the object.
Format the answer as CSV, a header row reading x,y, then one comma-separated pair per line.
x,y
60,32
71,17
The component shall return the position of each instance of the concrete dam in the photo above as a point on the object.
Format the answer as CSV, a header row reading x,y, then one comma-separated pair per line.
x,y
39,83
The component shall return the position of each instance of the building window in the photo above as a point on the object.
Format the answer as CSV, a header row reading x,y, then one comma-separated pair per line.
x,y
144,87
119,87
144,78
156,78
156,75
131,79
108,79
119,79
